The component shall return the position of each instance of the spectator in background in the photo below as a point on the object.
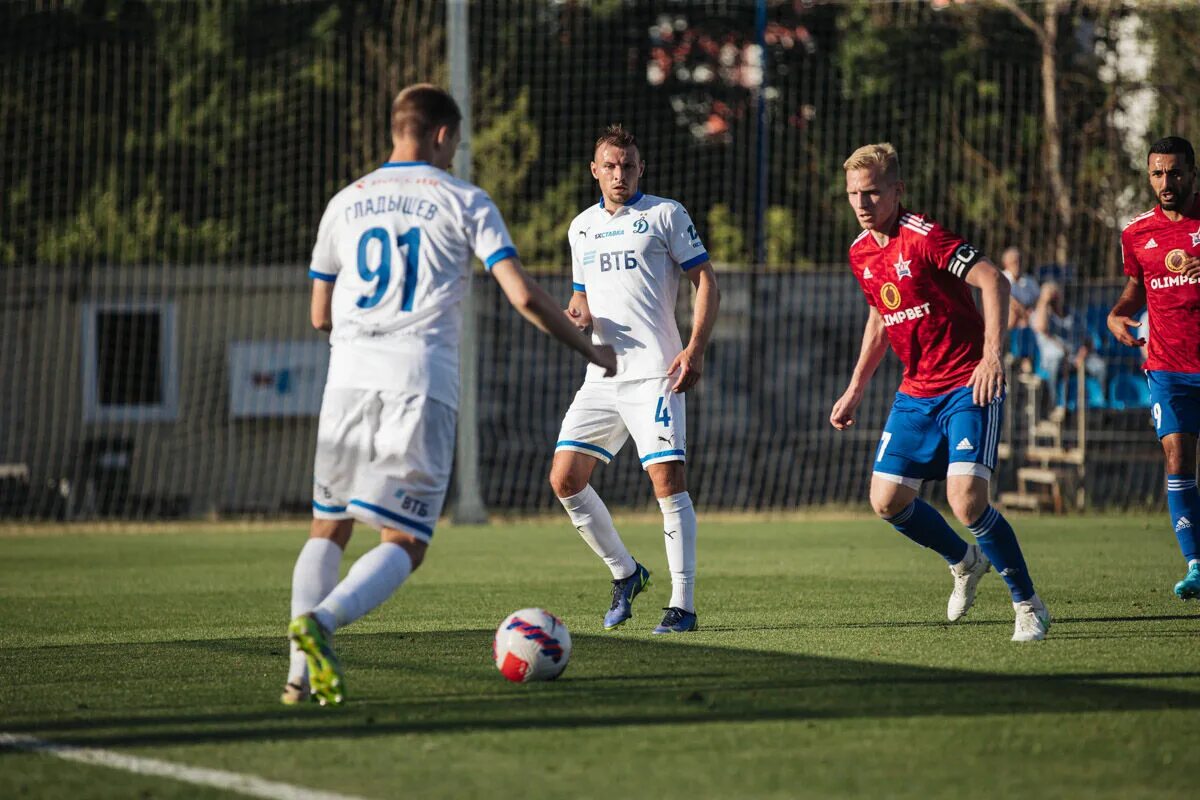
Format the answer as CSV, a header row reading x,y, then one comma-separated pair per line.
x,y
1059,335
1024,292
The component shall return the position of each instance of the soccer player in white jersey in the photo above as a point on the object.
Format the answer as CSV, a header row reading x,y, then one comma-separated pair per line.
x,y
390,268
628,252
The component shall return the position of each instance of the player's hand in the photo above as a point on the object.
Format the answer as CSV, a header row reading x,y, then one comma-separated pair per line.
x,y
1119,327
844,409
1191,267
581,317
689,364
987,381
606,357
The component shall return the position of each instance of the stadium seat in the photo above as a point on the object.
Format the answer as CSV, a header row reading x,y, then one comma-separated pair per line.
x,y
1065,393
1128,390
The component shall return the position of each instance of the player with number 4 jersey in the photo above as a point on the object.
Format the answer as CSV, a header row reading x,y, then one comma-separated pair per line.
x,y
945,422
390,269
628,253
1161,254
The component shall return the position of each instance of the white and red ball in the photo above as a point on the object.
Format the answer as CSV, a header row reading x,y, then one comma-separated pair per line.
x,y
531,645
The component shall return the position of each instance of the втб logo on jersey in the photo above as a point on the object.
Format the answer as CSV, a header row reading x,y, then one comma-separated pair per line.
x,y
890,296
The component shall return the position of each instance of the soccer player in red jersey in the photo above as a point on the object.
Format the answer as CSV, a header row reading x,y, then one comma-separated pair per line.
x,y
1161,251
945,421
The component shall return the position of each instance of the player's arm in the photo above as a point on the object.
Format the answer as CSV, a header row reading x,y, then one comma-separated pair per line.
x,y
690,362
874,348
987,382
321,307
1120,319
536,305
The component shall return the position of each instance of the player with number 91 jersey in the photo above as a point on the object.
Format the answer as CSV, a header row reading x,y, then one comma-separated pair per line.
x,y
397,246
394,243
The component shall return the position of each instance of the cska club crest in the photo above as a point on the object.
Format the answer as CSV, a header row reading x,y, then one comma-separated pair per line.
x,y
903,270
1196,238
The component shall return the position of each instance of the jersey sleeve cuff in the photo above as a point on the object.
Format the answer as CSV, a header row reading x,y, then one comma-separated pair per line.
x,y
579,287
694,262
321,276
499,255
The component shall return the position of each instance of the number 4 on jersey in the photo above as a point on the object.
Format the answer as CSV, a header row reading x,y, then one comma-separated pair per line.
x,y
660,414
410,241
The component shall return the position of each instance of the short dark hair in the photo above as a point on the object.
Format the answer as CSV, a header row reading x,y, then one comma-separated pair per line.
x,y
1174,146
617,136
421,109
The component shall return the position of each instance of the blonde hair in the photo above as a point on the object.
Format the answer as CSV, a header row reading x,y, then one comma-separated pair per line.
x,y
872,156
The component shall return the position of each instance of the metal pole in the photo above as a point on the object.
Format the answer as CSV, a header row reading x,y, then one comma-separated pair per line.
x,y
469,509
760,199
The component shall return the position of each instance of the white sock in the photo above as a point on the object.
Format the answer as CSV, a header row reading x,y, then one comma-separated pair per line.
x,y
315,575
373,578
1193,563
679,534
591,518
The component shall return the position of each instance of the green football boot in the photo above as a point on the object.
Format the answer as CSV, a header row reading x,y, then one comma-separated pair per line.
x,y
324,670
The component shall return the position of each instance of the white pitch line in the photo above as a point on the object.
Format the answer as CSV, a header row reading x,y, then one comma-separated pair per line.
x,y
201,776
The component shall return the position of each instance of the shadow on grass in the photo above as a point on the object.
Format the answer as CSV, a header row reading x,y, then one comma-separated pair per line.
x,y
443,683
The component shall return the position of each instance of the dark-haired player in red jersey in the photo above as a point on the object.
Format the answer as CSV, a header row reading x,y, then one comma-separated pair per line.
x,y
1161,251
945,421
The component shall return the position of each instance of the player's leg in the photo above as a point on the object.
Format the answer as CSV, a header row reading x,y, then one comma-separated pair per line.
x,y
1175,409
400,491
341,434
909,452
679,536
569,475
973,433
657,420
314,576
592,431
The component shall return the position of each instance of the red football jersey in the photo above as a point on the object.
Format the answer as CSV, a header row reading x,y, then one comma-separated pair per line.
x,y
1153,249
917,284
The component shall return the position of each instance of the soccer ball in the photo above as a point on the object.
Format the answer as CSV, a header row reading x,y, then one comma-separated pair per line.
x,y
531,645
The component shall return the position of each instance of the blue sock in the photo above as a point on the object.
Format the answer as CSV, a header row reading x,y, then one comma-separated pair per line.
x,y
922,523
1184,501
998,542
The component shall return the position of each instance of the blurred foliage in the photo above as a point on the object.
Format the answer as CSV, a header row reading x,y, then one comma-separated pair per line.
x,y
214,132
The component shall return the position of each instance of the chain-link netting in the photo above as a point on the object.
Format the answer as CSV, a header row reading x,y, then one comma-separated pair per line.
x,y
164,166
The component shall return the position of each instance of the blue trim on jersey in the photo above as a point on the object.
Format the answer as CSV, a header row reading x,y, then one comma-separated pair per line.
x,y
579,287
328,509
383,512
694,262
585,446
405,164
662,453
631,201
321,276
500,255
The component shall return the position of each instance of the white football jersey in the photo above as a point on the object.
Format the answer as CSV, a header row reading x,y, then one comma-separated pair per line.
x,y
397,244
629,265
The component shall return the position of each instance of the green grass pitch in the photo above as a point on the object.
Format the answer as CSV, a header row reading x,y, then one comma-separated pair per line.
x,y
823,668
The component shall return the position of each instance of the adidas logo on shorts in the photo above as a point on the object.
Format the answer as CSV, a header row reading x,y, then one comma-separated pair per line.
x,y
965,444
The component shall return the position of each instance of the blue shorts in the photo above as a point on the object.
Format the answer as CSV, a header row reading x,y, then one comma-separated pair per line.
x,y
928,438
1174,402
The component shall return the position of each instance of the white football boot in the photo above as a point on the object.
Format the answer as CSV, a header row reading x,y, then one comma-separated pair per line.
x,y
1033,620
966,578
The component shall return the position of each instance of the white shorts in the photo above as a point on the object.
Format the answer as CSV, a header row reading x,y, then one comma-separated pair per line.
x,y
604,414
383,458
